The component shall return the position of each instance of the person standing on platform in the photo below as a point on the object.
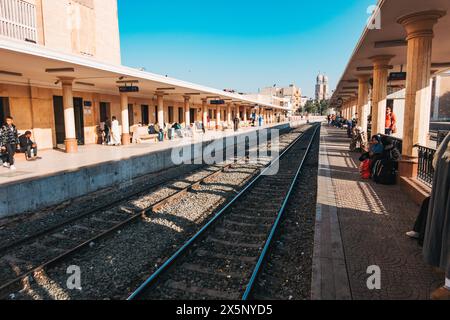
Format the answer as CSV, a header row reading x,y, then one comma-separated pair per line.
x,y
115,132
9,142
391,122
436,246
236,123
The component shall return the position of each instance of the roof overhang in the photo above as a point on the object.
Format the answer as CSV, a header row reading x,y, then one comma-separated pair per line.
x,y
25,64
390,40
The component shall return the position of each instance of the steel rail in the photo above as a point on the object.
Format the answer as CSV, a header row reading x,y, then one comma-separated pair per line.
x,y
165,266
280,214
7,287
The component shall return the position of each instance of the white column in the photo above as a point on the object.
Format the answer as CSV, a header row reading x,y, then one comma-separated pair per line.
x,y
125,119
70,142
160,102
187,111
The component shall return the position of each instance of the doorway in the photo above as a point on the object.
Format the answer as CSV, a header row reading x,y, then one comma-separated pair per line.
x,y
4,110
105,111
60,129
144,113
193,115
180,115
130,115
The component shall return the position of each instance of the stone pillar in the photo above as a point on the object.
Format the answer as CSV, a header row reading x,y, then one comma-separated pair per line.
x,y
237,111
363,101
125,119
419,30
160,103
205,112
218,118
229,120
379,93
245,115
71,141
187,111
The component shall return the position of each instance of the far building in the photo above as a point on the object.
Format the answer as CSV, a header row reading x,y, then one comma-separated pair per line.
x,y
290,96
322,88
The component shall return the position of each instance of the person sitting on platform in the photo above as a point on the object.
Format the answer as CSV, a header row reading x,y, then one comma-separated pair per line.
x,y
27,146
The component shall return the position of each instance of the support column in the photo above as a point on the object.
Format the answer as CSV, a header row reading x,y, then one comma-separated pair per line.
x,y
160,102
218,112
379,94
125,119
71,141
187,111
205,112
229,120
363,101
245,115
419,28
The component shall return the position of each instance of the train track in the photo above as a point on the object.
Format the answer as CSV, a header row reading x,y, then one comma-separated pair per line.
x,y
223,260
63,240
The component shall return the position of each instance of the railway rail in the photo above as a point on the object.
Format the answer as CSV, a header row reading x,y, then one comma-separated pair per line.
x,y
223,259
61,241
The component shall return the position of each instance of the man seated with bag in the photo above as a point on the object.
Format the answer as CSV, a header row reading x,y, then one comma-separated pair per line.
x,y
27,146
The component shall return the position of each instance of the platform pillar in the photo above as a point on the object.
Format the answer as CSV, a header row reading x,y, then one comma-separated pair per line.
x,y
363,101
71,141
205,112
125,119
419,28
218,113
379,93
160,104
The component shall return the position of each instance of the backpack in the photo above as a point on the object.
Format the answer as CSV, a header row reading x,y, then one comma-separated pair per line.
x,y
364,169
384,172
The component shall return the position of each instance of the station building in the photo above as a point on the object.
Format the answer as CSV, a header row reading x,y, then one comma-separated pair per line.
x,y
61,73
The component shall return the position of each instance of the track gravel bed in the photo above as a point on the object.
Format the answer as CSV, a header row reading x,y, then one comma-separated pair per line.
x,y
287,271
106,266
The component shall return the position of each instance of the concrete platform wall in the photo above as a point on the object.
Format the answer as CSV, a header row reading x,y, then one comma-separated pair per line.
x,y
35,194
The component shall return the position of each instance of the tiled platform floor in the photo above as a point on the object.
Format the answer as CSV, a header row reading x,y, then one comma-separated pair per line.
x,y
54,161
361,224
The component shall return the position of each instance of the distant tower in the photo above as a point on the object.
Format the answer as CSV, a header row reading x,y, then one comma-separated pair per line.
x,y
321,87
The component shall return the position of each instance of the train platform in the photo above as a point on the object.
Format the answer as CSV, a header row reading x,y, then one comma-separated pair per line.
x,y
32,186
360,227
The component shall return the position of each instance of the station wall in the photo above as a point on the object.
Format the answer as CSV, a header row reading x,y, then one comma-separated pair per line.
x,y
32,109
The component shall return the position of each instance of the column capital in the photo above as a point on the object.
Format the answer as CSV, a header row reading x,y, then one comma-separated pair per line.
x,y
159,94
362,78
420,24
187,98
381,61
66,81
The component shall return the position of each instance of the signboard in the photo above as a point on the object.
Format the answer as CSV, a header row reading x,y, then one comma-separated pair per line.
x,y
397,76
125,89
217,102
87,104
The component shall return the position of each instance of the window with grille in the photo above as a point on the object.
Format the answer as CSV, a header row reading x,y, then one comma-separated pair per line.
x,y
18,20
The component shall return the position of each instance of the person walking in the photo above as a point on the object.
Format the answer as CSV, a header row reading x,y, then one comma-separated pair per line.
x,y
391,122
9,142
436,246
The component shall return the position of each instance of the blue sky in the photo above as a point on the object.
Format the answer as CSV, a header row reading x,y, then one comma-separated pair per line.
x,y
242,45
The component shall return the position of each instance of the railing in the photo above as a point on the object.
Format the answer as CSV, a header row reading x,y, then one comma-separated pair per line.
x,y
18,20
425,170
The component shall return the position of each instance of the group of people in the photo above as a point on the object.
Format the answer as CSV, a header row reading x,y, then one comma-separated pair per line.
x,y
110,132
380,160
11,143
